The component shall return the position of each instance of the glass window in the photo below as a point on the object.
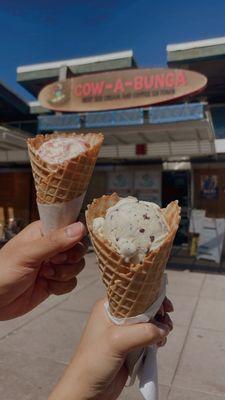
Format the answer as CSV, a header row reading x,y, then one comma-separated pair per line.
x,y
218,117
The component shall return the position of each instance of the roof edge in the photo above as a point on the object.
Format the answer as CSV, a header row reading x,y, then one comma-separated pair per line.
x,y
195,44
75,61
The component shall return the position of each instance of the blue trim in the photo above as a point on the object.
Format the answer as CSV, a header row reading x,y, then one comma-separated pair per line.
x,y
59,122
130,117
114,118
176,113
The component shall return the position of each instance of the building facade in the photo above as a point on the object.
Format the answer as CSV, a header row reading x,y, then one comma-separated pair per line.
x,y
158,153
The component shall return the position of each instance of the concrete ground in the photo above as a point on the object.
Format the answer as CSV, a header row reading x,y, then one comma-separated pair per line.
x,y
35,349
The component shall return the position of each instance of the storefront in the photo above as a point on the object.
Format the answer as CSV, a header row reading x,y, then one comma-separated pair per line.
x,y
143,146
159,152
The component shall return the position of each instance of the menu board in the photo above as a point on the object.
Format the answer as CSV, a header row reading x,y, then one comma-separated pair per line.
x,y
147,186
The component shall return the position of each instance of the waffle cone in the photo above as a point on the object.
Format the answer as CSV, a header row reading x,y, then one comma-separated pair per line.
x,y
59,183
131,288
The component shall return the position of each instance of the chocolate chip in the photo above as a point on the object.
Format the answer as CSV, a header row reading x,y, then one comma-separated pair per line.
x,y
142,230
117,239
152,238
145,216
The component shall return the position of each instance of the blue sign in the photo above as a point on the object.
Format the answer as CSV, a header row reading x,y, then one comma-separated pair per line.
x,y
176,113
157,115
114,118
63,122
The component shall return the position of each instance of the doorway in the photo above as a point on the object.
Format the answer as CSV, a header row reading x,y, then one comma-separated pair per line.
x,y
176,185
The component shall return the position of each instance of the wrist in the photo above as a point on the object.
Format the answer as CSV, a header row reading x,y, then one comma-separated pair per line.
x,y
72,386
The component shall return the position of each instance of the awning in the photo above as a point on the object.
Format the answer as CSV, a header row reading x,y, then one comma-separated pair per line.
x,y
13,147
167,131
12,106
206,57
34,77
176,130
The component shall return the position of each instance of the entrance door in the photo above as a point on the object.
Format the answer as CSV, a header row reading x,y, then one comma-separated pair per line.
x,y
176,186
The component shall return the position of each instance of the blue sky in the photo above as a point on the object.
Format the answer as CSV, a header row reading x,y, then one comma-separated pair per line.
x,y
48,30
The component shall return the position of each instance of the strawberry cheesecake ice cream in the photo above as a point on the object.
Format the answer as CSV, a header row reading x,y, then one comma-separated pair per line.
x,y
58,150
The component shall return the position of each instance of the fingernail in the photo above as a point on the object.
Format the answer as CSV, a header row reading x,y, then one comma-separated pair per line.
x,y
76,229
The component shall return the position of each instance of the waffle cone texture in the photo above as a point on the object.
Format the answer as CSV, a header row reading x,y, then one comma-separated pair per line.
x,y
58,183
131,288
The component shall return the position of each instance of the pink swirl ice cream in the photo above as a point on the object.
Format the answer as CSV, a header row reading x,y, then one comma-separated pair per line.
x,y
58,150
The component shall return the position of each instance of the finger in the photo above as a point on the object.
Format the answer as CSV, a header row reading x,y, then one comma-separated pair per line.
x,y
64,272
75,254
58,288
168,305
162,342
127,338
72,255
54,242
164,319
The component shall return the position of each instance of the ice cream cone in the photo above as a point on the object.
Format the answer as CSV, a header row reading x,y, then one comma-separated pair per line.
x,y
131,288
61,187
57,183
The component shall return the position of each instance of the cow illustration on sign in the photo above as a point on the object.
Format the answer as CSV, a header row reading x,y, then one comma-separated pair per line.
x,y
60,93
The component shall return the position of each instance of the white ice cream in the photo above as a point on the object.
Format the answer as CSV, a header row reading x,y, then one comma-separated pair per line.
x,y
56,151
133,228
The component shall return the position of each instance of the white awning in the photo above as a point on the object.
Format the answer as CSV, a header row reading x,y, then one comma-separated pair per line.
x,y
13,147
180,139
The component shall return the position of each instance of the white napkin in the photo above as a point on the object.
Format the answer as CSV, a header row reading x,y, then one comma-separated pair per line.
x,y
58,215
143,362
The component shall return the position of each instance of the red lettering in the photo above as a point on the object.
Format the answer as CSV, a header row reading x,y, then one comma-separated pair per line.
x,y
78,90
119,86
170,81
181,78
159,81
138,82
148,82
86,89
97,88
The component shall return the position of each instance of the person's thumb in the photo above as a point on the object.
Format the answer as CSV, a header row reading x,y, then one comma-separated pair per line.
x,y
53,243
129,337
